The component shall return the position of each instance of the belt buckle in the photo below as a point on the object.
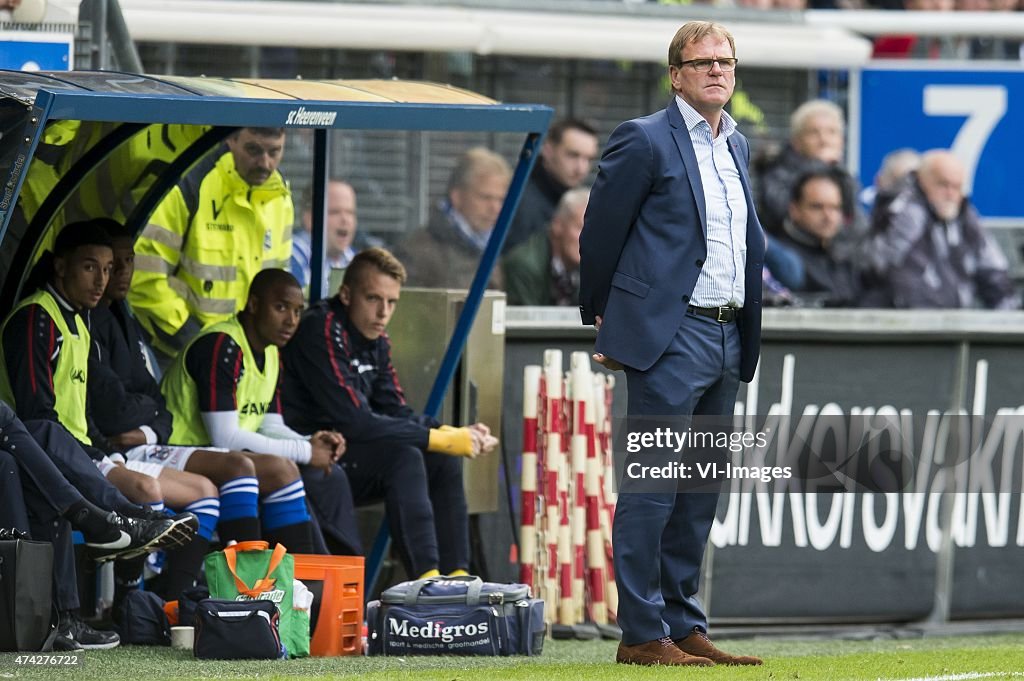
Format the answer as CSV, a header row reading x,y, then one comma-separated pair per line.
x,y
722,310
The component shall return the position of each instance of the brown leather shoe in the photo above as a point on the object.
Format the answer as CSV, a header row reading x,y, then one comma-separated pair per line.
x,y
658,652
698,644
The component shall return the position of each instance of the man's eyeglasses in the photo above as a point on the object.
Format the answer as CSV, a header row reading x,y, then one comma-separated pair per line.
x,y
705,65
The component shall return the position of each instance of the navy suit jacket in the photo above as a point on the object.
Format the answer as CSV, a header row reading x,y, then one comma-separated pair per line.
x,y
643,242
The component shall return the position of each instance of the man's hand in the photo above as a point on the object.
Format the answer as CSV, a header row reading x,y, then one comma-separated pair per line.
x,y
482,434
336,439
125,441
324,444
606,362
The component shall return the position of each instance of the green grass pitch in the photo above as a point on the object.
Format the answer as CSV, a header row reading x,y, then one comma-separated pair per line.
x,y
946,659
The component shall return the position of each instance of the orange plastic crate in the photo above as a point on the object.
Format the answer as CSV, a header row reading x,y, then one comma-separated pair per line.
x,y
339,626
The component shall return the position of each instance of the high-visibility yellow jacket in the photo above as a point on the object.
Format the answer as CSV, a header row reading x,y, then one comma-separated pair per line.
x,y
254,391
202,247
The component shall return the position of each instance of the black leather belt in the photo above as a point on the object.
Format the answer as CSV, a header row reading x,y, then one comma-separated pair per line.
x,y
722,315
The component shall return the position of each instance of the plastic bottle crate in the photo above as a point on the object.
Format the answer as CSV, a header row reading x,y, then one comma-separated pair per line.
x,y
338,628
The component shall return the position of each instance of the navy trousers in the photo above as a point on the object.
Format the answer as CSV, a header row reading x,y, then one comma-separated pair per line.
x,y
659,533
13,513
52,493
424,498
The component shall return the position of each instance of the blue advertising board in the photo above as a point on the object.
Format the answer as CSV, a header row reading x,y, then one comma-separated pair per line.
x,y
31,51
978,113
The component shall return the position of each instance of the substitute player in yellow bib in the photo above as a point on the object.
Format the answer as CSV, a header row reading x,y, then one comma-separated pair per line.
x,y
224,390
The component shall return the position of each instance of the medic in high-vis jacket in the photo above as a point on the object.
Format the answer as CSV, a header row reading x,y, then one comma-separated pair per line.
x,y
339,375
229,217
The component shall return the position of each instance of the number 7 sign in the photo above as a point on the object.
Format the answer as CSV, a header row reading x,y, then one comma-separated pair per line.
x,y
976,113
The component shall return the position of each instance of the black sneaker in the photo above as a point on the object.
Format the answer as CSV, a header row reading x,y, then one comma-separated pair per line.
x,y
138,536
74,634
182,530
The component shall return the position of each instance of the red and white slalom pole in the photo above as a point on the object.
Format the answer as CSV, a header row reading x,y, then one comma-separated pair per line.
x,y
529,509
603,388
596,583
566,606
582,395
553,458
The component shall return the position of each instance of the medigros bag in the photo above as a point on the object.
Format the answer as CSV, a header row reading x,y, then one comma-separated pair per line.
x,y
455,616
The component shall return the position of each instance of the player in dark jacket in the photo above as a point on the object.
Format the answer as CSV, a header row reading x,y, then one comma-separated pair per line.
x,y
339,375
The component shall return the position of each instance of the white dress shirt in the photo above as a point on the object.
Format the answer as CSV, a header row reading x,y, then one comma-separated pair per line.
x,y
721,281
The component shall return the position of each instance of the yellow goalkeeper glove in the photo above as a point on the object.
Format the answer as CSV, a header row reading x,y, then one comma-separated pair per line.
x,y
452,441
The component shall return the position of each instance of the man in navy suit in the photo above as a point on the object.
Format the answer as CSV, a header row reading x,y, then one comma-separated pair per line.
x,y
672,254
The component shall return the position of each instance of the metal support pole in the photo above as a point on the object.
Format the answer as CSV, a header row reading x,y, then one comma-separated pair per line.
x,y
317,250
97,12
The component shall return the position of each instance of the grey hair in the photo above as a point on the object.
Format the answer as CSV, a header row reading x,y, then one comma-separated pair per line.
x,y
815,107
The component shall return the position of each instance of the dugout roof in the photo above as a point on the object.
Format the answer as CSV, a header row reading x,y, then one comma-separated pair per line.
x,y
70,149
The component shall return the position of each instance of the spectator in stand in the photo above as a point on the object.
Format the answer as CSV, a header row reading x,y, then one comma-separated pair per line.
x,y
783,264
446,252
988,47
815,219
932,251
546,269
340,224
895,167
816,130
566,158
7,8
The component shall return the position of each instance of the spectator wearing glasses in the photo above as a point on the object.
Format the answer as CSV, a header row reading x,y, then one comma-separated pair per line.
x,y
814,222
